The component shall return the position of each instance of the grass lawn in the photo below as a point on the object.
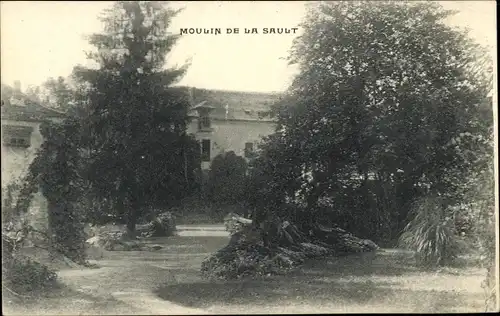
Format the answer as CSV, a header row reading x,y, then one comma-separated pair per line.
x,y
168,281
387,282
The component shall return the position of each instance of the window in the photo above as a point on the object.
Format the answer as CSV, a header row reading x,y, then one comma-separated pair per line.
x,y
17,142
248,150
17,136
205,150
204,122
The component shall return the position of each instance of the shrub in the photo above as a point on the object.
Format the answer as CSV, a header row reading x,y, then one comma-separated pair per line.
x,y
21,274
162,226
227,179
488,260
431,233
9,196
274,247
482,211
25,275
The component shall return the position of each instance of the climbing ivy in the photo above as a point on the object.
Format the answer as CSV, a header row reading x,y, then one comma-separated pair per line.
x,y
55,172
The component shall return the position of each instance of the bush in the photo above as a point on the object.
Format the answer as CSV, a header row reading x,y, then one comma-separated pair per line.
x,y
162,226
227,179
482,211
275,247
9,197
431,234
25,275
21,274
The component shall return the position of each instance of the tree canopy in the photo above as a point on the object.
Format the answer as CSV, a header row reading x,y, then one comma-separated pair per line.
x,y
371,122
136,121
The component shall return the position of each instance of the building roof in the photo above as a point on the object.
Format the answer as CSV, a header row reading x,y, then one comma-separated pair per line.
x,y
19,107
234,105
231,105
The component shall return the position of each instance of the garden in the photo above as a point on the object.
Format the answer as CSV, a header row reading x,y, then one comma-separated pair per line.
x,y
375,192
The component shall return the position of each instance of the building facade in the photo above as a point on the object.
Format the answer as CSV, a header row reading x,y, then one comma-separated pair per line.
x,y
21,138
21,118
224,121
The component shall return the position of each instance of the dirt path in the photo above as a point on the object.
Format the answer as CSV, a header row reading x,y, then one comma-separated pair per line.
x,y
168,282
124,281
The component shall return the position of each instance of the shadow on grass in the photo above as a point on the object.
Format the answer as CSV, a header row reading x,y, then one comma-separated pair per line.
x,y
264,293
319,282
53,291
64,300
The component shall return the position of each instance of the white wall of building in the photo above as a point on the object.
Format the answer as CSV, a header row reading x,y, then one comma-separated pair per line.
x,y
16,160
231,135
15,164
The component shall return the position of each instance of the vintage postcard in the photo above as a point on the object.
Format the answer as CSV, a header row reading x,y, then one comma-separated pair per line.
x,y
249,157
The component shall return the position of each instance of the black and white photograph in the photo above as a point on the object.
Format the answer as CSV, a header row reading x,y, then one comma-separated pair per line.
x,y
249,157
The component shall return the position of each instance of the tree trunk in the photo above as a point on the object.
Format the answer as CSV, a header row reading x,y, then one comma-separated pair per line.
x,y
51,216
131,219
185,167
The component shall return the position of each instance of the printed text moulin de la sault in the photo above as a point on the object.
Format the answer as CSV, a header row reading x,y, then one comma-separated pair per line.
x,y
236,30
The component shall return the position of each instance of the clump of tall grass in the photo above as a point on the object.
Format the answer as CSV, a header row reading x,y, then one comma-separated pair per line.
x,y
431,233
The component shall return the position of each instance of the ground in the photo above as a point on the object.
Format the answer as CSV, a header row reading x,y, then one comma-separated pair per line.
x,y
168,281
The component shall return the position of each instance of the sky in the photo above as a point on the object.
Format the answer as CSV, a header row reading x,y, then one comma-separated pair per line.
x,y
46,39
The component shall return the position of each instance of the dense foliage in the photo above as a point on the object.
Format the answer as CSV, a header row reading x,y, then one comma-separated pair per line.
x,y
23,275
227,179
56,170
139,154
275,247
384,111
19,274
163,225
118,152
481,213
431,233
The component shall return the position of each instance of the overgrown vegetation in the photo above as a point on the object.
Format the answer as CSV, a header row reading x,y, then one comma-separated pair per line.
x,y
482,214
135,119
368,129
275,247
163,225
386,132
20,275
380,129
227,179
431,233
23,275
101,163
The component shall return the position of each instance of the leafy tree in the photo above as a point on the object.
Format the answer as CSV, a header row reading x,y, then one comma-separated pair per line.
x,y
227,178
368,127
57,93
136,121
34,93
60,93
